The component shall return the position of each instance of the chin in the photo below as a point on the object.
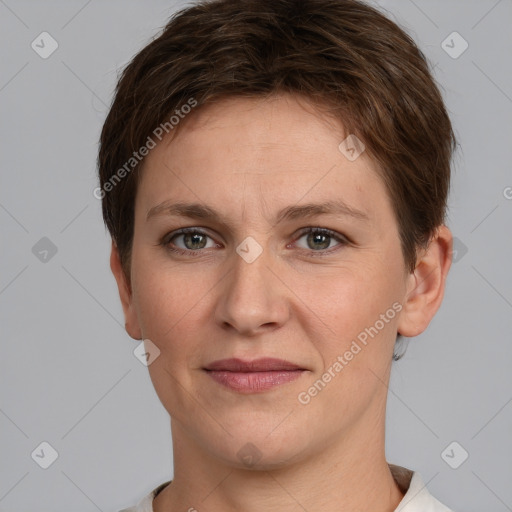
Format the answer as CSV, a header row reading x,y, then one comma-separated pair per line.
x,y
257,450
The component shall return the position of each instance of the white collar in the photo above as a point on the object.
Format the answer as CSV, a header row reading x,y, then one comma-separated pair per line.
x,y
416,497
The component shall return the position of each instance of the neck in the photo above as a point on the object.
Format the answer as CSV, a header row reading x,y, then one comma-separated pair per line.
x,y
349,474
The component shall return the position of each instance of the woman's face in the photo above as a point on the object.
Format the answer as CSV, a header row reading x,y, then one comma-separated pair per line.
x,y
322,266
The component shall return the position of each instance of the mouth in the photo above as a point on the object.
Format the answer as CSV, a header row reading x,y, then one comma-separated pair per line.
x,y
253,376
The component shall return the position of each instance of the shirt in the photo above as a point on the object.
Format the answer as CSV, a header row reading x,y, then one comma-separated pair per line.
x,y
416,498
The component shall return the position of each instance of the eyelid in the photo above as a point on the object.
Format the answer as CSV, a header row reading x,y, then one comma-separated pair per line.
x,y
340,238
166,240
324,231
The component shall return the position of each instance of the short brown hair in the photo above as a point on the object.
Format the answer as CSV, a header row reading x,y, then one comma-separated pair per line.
x,y
342,54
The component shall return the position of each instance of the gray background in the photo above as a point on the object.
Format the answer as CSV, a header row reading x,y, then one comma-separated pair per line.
x,y
68,373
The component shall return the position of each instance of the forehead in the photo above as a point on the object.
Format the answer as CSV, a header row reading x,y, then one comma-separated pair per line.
x,y
255,151
261,120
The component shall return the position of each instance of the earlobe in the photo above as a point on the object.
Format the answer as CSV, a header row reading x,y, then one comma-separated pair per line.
x,y
125,294
425,286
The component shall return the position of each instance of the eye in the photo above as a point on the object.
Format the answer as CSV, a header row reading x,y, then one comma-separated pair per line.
x,y
320,239
188,240
193,240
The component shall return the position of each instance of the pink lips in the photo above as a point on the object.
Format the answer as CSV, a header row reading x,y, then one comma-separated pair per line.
x,y
253,376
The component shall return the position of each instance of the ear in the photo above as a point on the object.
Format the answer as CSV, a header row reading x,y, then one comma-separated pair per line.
x,y
425,286
131,322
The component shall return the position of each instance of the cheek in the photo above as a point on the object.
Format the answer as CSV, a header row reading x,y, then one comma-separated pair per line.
x,y
165,303
175,309
349,299
162,294
169,306
360,309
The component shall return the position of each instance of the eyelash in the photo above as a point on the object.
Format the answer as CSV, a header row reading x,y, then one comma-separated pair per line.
x,y
342,241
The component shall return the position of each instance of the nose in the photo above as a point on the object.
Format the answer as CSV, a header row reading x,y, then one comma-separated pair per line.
x,y
252,300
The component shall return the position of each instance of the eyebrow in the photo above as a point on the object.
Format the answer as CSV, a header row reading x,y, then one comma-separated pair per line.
x,y
201,211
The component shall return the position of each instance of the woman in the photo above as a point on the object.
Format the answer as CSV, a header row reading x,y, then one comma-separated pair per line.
x,y
274,176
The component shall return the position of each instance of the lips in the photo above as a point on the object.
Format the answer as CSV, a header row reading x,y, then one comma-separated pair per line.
x,y
253,376
266,364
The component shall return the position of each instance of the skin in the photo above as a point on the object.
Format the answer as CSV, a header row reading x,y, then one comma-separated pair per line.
x,y
299,300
